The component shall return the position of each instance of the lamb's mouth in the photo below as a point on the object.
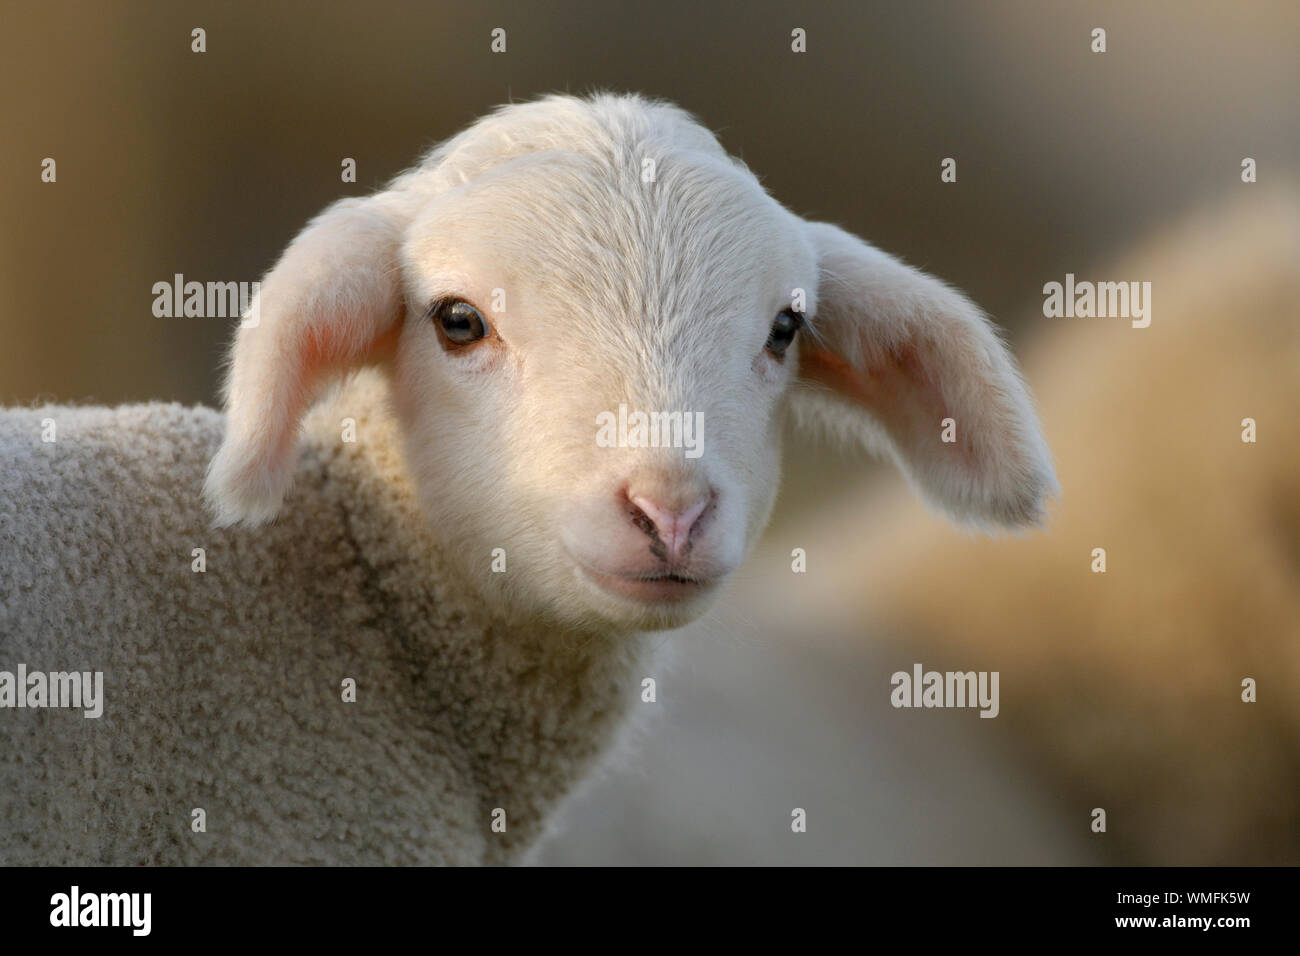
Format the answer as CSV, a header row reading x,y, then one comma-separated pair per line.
x,y
680,578
666,587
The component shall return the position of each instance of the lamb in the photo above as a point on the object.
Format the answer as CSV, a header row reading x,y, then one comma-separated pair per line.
x,y
428,598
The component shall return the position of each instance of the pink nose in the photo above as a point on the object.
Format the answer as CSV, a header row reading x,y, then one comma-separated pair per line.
x,y
670,529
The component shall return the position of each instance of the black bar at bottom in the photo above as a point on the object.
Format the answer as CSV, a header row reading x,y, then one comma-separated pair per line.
x,y
336,906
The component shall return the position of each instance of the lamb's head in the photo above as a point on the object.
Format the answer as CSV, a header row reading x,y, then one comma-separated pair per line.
x,y
595,323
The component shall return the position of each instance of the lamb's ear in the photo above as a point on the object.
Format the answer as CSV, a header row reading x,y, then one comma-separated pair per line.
x,y
901,362
331,303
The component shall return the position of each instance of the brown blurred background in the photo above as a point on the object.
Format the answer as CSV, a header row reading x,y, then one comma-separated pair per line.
x,y
206,164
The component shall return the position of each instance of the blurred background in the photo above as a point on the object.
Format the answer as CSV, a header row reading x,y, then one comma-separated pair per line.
x,y
1124,165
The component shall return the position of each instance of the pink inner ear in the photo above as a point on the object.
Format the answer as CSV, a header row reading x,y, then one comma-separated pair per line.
x,y
324,352
902,390
826,368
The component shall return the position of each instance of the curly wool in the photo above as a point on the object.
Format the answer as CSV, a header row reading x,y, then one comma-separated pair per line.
x,y
223,688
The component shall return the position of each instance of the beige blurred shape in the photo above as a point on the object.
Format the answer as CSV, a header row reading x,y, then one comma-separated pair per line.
x,y
1123,689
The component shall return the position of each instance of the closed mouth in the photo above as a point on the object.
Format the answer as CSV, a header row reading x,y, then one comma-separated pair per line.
x,y
655,588
678,578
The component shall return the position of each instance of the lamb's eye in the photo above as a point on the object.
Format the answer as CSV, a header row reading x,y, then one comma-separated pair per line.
x,y
459,323
783,331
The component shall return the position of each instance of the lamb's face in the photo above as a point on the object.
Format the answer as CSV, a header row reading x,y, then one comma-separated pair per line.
x,y
591,359
591,375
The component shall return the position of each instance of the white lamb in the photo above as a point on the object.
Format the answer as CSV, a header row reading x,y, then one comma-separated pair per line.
x,y
476,561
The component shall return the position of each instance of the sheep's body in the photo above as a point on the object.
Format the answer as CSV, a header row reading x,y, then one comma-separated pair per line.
x,y
223,688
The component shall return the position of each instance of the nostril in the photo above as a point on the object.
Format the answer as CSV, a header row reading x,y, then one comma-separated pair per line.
x,y
688,519
669,528
641,519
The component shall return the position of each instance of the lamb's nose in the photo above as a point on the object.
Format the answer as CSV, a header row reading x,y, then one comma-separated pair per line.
x,y
670,528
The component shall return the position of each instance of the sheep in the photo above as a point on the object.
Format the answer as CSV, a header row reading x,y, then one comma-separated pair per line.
x,y
1123,689
408,647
